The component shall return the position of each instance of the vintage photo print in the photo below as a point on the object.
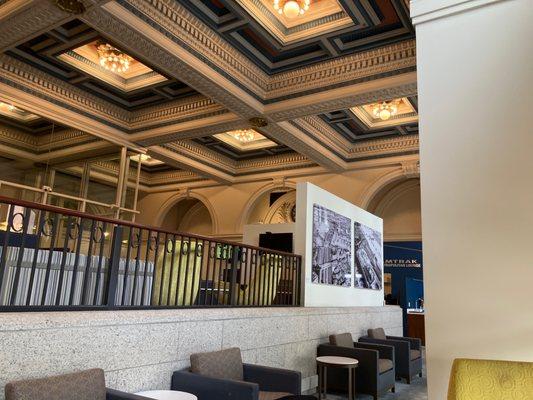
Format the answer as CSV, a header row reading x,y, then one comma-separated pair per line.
x,y
332,251
368,257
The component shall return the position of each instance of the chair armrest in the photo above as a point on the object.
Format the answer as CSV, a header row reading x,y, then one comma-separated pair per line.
x,y
402,348
385,351
273,379
416,343
206,388
112,394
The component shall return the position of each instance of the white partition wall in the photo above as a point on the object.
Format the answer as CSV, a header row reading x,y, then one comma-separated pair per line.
x,y
317,206
475,82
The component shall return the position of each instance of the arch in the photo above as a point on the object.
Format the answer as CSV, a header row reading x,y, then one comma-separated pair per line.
x,y
176,198
257,194
375,188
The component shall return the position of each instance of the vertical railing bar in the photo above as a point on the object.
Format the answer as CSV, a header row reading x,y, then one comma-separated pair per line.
x,y
207,272
154,271
241,259
227,292
146,258
282,285
262,261
219,258
271,276
25,224
193,286
163,270
54,232
256,276
63,260
249,275
5,245
233,277
126,265
215,246
298,280
260,271
88,263
186,283
76,262
100,260
171,273
178,277
136,272
40,227
113,268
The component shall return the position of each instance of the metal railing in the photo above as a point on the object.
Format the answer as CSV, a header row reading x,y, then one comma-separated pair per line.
x,y
57,259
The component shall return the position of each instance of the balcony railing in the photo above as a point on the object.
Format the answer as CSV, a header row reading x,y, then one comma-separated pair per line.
x,y
57,259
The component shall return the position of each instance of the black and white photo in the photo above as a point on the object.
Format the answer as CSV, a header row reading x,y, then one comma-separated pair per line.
x,y
331,247
368,257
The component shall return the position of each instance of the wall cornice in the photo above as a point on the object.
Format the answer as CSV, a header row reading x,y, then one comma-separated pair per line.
x,y
428,10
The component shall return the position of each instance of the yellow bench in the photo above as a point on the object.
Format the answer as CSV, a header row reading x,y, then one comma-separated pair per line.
x,y
490,380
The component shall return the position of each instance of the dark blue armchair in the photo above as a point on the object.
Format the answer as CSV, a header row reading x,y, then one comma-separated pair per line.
x,y
222,375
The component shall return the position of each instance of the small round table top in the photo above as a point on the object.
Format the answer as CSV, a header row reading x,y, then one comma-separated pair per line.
x,y
340,361
167,395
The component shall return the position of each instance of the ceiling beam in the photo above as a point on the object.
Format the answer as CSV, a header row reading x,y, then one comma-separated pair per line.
x,y
180,160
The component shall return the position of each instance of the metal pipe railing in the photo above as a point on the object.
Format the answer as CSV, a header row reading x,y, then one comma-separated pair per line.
x,y
57,259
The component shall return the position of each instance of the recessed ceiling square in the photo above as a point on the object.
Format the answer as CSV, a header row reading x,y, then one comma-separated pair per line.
x,y
406,114
253,139
322,17
10,111
87,59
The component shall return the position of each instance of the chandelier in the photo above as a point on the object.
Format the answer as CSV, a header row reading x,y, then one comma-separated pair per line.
x,y
243,135
8,107
385,109
112,58
291,8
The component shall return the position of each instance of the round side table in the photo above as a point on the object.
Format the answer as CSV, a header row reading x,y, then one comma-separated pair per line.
x,y
325,362
167,395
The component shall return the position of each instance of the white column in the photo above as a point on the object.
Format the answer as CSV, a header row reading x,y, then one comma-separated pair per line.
x,y
475,81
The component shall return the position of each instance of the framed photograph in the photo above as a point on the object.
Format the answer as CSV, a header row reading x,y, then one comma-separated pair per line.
x,y
332,250
368,257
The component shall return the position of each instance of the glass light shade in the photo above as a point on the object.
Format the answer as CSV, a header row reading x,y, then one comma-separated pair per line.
x,y
291,9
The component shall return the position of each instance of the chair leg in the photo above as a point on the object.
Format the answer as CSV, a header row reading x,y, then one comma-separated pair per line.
x,y
393,389
408,380
420,374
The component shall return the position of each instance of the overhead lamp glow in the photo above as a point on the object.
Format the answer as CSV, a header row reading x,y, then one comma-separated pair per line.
x,y
8,107
113,59
385,110
291,8
243,135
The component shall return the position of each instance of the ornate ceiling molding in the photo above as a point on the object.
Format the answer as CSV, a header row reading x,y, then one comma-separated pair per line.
x,y
345,97
408,144
343,70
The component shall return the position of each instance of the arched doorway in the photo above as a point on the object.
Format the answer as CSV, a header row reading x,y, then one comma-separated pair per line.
x,y
188,215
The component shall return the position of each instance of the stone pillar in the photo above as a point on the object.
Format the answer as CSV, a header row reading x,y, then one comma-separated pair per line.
x,y
475,81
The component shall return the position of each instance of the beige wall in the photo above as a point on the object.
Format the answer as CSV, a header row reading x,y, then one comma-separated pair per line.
x,y
230,207
475,87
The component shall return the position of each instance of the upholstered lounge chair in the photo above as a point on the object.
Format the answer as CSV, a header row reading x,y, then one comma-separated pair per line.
x,y
84,385
490,380
407,352
222,375
375,373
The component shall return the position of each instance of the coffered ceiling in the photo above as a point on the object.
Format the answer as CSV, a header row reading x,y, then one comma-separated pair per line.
x,y
201,70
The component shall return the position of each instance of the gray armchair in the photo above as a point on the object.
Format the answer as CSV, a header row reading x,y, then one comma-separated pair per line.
x,y
375,373
84,385
222,375
407,351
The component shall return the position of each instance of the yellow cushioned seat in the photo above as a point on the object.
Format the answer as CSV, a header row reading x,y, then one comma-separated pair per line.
x,y
490,380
